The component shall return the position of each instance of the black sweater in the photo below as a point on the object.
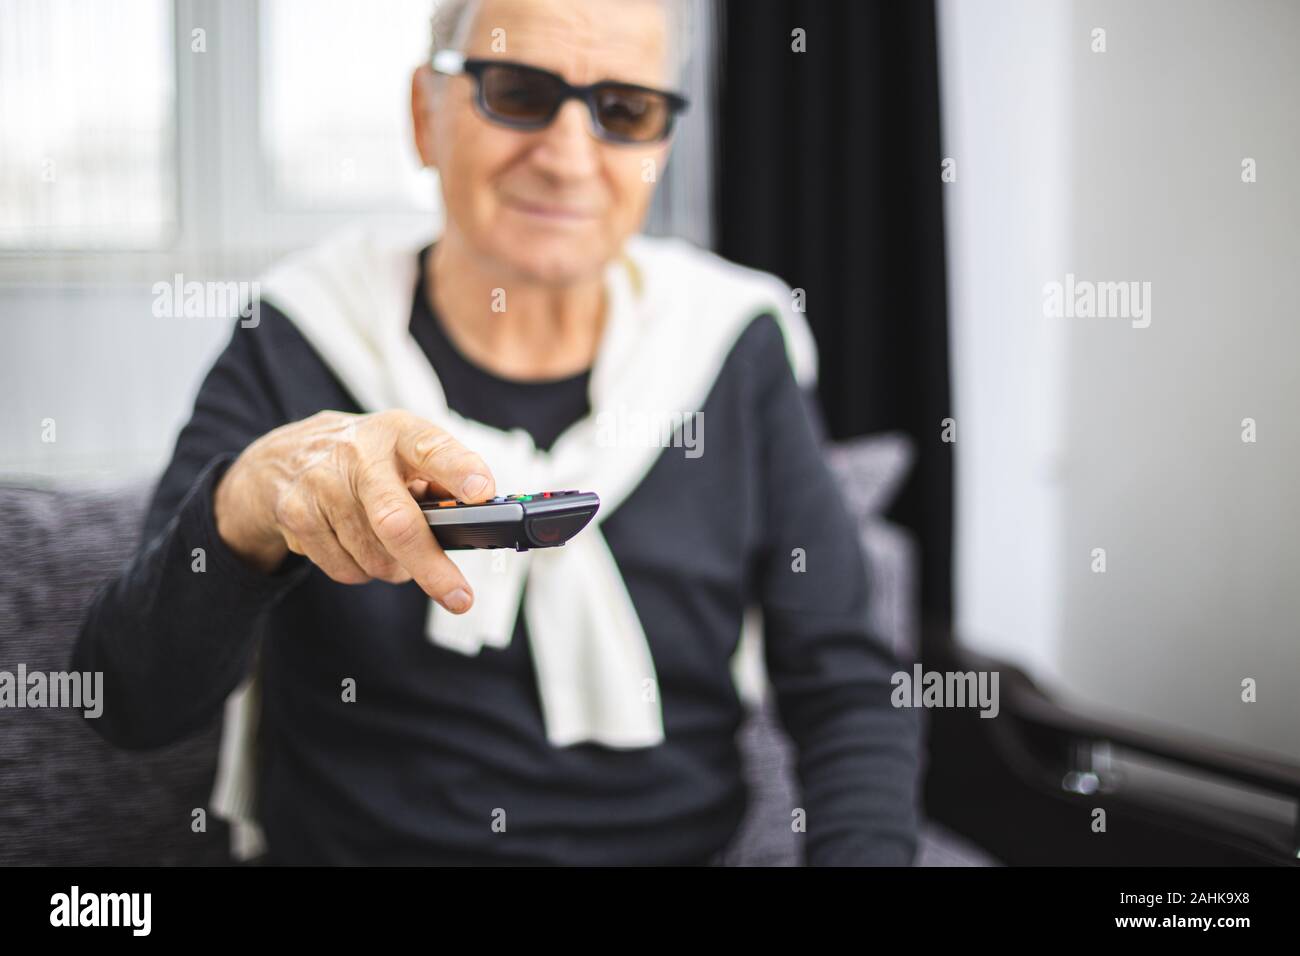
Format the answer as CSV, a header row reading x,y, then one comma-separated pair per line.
x,y
438,745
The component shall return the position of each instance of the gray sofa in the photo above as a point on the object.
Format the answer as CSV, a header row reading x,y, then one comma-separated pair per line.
x,y
66,797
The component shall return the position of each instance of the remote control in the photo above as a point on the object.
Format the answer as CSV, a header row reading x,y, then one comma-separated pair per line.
x,y
544,520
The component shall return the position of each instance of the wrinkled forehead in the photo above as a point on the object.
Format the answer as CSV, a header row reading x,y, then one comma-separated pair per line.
x,y
584,40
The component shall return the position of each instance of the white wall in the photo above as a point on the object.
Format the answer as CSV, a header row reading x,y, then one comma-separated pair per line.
x,y
117,381
1126,165
1007,224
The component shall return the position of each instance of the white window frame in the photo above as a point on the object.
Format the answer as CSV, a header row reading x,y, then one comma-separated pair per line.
x,y
228,223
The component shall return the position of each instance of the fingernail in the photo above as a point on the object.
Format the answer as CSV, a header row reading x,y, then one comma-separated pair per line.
x,y
474,486
457,601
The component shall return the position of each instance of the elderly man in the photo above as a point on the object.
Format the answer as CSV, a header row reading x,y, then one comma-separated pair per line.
x,y
387,702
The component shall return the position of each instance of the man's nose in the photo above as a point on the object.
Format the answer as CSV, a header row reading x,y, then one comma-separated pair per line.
x,y
567,148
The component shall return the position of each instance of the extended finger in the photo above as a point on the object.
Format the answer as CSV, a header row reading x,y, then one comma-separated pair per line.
x,y
399,525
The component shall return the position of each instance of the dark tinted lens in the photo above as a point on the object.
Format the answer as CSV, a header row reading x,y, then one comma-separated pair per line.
x,y
519,95
637,116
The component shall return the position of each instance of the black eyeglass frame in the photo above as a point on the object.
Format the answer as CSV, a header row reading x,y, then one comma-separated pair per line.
x,y
452,63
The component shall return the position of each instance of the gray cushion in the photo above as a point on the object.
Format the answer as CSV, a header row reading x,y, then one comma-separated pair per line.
x,y
871,471
66,796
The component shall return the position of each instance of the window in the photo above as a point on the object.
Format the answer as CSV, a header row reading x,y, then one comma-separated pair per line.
x,y
139,138
87,124
335,113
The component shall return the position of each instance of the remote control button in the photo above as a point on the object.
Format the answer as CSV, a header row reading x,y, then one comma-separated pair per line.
x,y
448,504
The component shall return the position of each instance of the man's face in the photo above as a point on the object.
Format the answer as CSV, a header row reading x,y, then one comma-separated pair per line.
x,y
552,205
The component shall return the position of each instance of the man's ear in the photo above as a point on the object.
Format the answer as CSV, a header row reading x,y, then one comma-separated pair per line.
x,y
422,107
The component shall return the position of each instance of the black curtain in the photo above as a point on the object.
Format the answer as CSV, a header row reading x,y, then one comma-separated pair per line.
x,y
828,175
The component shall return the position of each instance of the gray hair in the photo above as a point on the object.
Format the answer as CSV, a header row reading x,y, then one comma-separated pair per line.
x,y
452,20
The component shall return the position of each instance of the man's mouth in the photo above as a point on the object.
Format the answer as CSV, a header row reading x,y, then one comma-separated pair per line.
x,y
548,211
